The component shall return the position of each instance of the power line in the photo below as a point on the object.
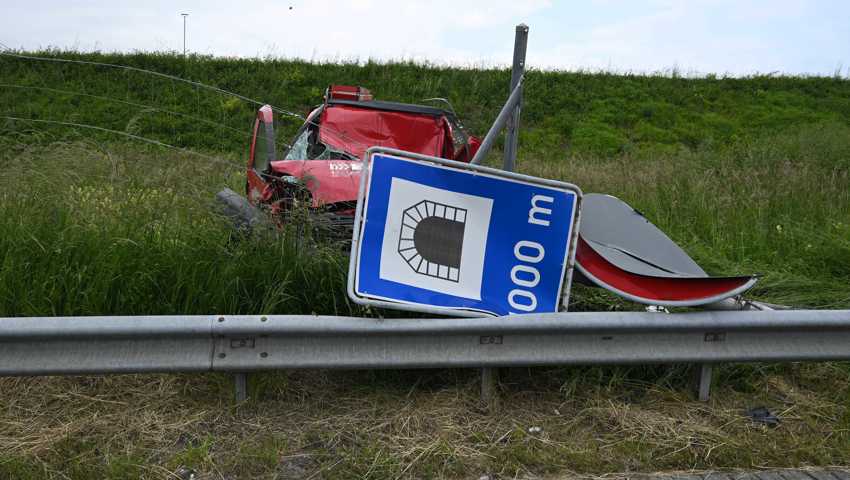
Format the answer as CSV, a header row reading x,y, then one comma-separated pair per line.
x,y
151,72
125,102
179,79
118,132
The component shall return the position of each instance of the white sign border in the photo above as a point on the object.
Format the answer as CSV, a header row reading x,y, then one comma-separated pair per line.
x,y
362,206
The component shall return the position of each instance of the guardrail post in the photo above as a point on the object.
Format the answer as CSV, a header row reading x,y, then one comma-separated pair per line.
x,y
489,383
240,382
704,381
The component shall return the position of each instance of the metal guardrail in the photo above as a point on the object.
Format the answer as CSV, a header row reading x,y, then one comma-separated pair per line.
x,y
95,345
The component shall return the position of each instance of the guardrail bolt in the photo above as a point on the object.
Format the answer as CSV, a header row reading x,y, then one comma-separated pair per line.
x,y
222,355
264,319
264,354
220,319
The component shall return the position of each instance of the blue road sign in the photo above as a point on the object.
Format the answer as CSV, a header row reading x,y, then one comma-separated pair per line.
x,y
446,237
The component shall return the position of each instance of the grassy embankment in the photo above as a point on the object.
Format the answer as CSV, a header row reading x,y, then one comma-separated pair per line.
x,y
749,175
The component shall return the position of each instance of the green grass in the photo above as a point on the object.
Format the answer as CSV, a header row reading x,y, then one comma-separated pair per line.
x,y
564,112
121,229
137,232
748,175
778,206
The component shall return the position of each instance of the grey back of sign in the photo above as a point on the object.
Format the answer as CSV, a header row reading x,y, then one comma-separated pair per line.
x,y
624,237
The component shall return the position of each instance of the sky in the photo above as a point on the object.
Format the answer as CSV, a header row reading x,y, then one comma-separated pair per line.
x,y
690,37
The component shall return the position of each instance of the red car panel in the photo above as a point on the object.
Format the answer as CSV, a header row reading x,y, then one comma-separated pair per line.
x,y
330,181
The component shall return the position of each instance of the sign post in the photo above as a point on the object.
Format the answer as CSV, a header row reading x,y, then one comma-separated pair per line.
x,y
438,236
489,375
520,44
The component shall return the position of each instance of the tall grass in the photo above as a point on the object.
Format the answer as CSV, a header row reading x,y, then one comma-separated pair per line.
x,y
128,230
113,228
750,175
777,206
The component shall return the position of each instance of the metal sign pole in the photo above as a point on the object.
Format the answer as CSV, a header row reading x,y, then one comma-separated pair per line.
x,y
490,376
520,44
184,33
501,120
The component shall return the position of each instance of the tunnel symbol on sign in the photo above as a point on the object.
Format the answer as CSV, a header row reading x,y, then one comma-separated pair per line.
x,y
431,239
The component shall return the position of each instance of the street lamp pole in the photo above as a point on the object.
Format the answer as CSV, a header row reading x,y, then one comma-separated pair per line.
x,y
184,33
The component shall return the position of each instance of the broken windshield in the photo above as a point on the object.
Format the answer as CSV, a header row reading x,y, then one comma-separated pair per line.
x,y
307,147
298,151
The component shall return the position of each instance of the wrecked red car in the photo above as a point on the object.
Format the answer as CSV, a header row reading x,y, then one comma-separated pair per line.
x,y
321,168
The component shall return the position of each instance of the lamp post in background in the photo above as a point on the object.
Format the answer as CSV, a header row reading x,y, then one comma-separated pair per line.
x,y
184,33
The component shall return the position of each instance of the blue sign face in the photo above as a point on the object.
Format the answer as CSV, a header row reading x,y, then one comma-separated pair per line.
x,y
451,238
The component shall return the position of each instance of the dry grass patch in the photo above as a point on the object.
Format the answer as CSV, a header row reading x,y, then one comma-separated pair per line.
x,y
424,424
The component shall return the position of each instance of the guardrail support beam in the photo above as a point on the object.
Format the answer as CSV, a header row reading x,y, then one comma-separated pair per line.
x,y
248,343
502,119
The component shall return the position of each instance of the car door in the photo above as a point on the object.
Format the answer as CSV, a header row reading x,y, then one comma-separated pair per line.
x,y
262,153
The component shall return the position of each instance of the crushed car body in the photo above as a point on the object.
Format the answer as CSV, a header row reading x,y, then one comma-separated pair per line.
x,y
321,168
